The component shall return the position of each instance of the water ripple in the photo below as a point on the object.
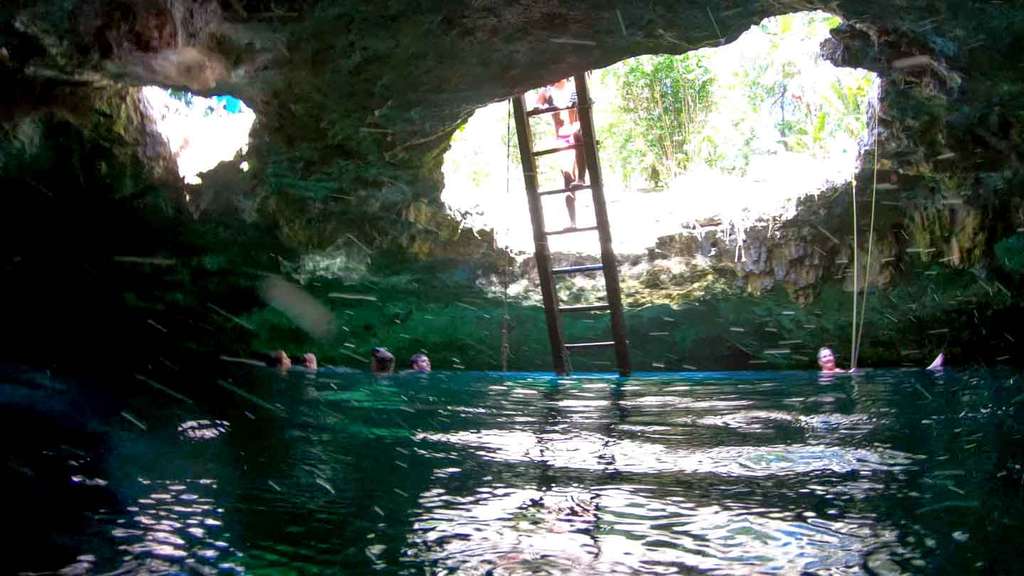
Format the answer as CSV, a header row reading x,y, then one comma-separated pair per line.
x,y
595,452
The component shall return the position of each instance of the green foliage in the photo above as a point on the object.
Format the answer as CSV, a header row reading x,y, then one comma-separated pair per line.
x,y
664,101
1010,254
807,117
768,93
183,96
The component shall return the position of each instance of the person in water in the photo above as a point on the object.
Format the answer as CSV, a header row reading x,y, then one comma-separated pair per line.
x,y
381,361
280,360
307,361
827,360
419,363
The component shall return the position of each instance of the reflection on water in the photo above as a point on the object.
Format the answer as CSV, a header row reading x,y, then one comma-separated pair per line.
x,y
882,472
176,523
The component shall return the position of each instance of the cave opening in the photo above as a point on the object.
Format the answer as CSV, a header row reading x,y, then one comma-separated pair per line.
x,y
200,131
719,138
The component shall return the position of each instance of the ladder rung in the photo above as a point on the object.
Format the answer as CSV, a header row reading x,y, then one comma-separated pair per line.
x,y
572,188
551,110
571,230
554,150
585,308
578,269
585,345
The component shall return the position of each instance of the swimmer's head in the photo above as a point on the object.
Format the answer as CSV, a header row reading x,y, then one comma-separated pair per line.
x,y
279,359
826,359
381,361
419,363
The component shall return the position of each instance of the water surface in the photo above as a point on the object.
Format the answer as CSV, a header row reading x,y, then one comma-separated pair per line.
x,y
473,473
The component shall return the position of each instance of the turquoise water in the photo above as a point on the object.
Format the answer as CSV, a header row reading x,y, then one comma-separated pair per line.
x,y
721,473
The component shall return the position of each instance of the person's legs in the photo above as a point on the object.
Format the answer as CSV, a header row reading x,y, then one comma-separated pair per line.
x,y
570,206
567,161
581,159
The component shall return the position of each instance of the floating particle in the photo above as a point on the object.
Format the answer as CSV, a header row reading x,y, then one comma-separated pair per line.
x,y
826,233
572,41
923,391
324,483
299,306
164,389
231,317
251,398
145,260
133,419
622,24
346,296
949,504
352,355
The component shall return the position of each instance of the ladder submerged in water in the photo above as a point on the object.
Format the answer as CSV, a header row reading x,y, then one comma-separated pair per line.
x,y
560,350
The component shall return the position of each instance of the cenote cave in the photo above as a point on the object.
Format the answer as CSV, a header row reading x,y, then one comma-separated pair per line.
x,y
273,303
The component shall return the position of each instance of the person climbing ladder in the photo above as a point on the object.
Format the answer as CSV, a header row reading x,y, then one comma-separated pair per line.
x,y
573,164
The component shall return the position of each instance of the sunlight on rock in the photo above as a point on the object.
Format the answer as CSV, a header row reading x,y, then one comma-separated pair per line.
x,y
201,132
777,122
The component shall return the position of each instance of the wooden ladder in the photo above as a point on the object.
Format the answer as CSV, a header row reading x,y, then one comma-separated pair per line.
x,y
560,350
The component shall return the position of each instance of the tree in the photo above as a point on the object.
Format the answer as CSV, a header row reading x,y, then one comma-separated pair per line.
x,y
663,102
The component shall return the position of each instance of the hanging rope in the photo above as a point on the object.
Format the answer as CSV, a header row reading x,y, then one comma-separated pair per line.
x,y
853,321
871,239
508,264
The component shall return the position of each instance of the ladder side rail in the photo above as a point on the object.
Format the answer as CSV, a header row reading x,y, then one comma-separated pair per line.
x,y
611,270
540,241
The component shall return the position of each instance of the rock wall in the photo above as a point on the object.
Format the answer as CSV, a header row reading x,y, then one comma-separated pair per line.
x,y
356,102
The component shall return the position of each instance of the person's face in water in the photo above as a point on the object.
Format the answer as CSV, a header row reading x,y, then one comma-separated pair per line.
x,y
826,360
421,364
282,360
381,361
